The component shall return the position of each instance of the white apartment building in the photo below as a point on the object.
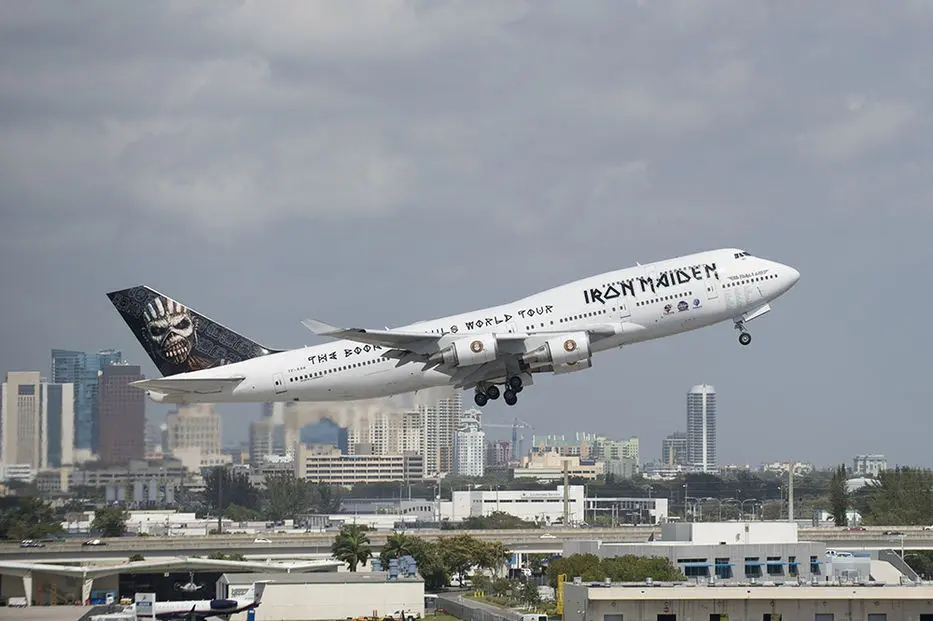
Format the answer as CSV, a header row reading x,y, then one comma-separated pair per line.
x,y
440,409
469,448
869,465
385,433
701,428
329,466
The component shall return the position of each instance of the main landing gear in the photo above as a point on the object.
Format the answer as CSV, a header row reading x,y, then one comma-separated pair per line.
x,y
744,337
509,395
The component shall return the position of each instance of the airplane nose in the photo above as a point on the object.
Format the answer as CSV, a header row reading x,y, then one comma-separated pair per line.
x,y
794,275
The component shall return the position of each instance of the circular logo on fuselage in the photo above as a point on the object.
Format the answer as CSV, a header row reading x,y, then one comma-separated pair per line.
x,y
570,345
476,346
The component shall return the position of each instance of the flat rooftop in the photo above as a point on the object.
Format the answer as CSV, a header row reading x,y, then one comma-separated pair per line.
x,y
348,577
641,591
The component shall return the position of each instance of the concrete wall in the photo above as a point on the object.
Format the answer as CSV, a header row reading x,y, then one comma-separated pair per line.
x,y
730,532
313,602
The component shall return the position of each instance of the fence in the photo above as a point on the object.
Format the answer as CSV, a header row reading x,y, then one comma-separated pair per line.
x,y
471,610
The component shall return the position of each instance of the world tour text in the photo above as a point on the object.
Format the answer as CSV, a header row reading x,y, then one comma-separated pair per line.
x,y
646,284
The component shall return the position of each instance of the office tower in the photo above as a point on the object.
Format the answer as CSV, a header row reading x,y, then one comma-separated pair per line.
x,y
82,369
440,409
469,448
194,426
121,414
701,428
36,421
674,449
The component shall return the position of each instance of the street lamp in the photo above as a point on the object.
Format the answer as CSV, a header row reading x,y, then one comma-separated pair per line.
x,y
751,500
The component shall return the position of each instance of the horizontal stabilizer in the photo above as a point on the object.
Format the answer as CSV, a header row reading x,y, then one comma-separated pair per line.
x,y
199,386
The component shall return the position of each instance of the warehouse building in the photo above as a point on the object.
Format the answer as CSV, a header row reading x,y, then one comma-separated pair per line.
x,y
325,596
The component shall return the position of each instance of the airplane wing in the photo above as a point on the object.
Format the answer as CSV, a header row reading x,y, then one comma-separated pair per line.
x,y
182,386
416,342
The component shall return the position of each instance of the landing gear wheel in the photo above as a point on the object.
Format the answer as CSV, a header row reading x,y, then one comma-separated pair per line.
x,y
518,390
510,397
745,338
515,382
480,398
492,392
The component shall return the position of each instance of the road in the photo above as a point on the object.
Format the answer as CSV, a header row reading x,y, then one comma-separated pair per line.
x,y
318,544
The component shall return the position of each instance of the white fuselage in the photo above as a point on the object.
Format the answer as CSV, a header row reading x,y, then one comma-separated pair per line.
x,y
643,301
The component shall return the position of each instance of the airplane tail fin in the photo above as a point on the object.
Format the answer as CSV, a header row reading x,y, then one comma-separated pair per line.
x,y
178,339
258,589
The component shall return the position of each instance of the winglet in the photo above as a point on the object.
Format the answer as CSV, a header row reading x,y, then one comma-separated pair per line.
x,y
320,328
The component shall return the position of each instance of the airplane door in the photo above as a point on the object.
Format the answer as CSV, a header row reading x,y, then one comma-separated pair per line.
x,y
510,327
624,311
712,288
278,382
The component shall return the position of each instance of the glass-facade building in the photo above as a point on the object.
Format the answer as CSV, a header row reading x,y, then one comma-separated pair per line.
x,y
81,369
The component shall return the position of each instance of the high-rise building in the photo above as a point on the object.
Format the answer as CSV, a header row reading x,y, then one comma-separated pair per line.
x,y
121,414
701,428
674,449
469,447
440,409
82,369
194,426
36,421
267,435
387,432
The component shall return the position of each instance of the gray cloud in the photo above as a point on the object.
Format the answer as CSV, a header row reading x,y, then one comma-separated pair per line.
x,y
378,163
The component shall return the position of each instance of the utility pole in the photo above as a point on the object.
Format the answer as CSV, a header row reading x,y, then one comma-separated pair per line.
x,y
790,493
220,507
566,497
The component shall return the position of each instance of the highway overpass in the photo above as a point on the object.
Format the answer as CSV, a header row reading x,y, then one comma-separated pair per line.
x,y
317,545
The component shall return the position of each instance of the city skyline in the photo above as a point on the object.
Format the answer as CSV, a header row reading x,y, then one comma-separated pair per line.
x,y
300,161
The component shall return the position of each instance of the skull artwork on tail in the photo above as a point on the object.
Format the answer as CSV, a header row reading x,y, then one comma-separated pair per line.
x,y
170,329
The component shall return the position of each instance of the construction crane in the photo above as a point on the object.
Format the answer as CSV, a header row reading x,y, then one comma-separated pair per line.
x,y
518,441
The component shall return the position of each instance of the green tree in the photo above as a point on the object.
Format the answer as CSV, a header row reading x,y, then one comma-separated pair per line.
x,y
398,545
27,517
839,496
325,498
460,553
285,496
628,568
224,487
136,557
491,555
110,521
352,546
899,497
240,514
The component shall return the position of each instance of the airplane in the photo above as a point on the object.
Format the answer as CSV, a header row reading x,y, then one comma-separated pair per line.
x,y
189,587
196,610
555,331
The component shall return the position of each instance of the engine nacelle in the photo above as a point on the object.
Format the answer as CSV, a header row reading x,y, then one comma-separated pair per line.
x,y
570,367
567,349
158,397
469,351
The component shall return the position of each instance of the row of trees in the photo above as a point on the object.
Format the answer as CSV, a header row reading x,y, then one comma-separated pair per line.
x,y
437,561
284,496
902,496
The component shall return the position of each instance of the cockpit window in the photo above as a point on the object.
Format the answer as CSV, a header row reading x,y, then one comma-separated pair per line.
x,y
742,253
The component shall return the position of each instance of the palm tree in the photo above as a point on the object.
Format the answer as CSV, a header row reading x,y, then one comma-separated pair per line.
x,y
352,546
398,545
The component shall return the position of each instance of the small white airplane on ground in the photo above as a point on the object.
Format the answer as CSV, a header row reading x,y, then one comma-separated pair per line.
x,y
554,331
196,610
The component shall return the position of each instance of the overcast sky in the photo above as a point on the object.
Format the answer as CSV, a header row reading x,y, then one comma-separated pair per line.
x,y
373,163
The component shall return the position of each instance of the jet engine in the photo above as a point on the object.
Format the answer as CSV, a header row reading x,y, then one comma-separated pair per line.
x,y
158,397
468,351
570,367
568,349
